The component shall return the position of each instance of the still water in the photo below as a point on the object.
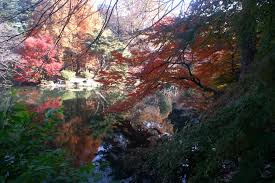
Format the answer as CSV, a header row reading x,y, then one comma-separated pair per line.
x,y
83,132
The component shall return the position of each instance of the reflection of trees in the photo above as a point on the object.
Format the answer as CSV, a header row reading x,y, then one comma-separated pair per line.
x,y
83,106
28,97
55,103
77,107
74,134
77,138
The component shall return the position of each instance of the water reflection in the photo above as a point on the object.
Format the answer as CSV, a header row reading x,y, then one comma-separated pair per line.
x,y
74,135
77,108
84,133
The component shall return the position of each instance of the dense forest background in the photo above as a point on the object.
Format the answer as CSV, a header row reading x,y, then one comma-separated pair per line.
x,y
199,74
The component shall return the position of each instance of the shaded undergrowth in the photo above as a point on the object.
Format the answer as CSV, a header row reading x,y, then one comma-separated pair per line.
x,y
235,143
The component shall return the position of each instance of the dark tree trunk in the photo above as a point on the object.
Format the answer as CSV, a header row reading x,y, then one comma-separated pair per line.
x,y
247,34
77,68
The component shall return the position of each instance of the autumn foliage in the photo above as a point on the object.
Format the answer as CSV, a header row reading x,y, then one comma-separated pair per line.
x,y
180,54
175,51
71,27
38,60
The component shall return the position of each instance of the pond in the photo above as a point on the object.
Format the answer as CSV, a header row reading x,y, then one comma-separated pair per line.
x,y
83,131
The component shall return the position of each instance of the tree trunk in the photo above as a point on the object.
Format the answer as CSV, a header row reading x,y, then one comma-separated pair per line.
x,y
77,68
247,34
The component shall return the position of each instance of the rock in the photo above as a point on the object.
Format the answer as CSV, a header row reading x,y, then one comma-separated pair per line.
x,y
121,141
267,172
47,84
69,84
75,83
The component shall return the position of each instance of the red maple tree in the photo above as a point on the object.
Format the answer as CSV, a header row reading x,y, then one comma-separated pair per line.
x,y
38,60
176,53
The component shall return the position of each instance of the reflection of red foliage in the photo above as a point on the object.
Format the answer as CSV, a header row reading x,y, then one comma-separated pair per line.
x,y
50,104
38,60
78,139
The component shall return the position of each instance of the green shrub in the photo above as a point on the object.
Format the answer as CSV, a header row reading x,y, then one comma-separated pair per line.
x,y
87,74
25,153
67,74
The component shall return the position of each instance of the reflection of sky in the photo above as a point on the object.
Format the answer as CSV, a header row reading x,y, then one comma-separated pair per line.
x,y
172,4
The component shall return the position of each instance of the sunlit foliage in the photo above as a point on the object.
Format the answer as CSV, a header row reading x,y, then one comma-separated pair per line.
x,y
38,60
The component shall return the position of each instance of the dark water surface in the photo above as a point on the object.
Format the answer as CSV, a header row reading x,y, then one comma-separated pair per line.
x,y
91,136
83,132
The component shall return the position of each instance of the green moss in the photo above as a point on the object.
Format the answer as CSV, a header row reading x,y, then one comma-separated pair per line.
x,y
165,106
